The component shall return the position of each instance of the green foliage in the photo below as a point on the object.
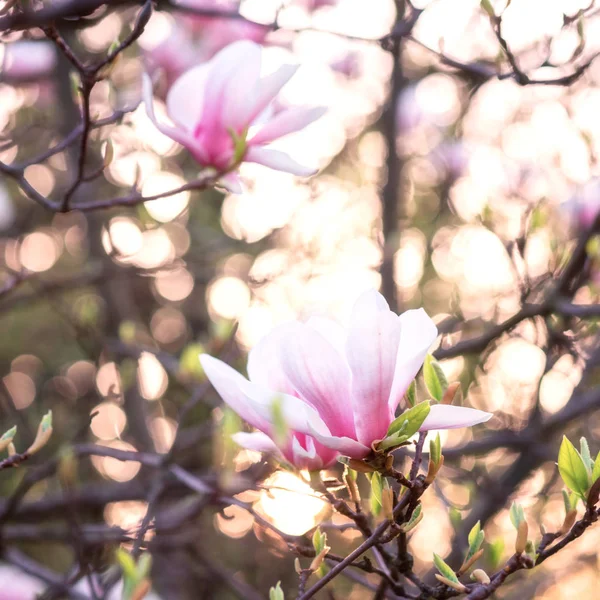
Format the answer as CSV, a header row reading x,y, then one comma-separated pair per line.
x,y
585,454
435,450
444,569
319,540
434,377
596,468
517,515
9,435
495,550
411,393
189,361
376,488
570,501
572,468
476,537
405,426
133,573
414,520
276,593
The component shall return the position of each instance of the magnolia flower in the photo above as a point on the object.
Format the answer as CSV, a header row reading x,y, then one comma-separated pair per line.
x,y
214,105
339,387
27,60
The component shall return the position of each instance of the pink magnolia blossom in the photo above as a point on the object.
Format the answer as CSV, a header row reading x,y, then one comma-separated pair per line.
x,y
27,60
340,387
214,105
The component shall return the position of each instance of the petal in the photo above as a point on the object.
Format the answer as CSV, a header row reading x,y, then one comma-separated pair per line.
x,y
278,160
226,69
236,110
264,360
286,122
344,445
179,135
232,183
185,99
267,88
371,350
230,386
331,330
320,375
444,416
417,333
258,441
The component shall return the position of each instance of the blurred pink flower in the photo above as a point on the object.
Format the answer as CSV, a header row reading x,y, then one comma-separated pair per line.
x,y
452,157
214,105
338,386
28,60
585,205
174,55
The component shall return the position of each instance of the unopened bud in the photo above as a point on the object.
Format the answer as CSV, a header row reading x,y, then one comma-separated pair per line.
x,y
568,522
297,566
11,449
433,470
521,541
469,563
480,576
352,488
318,559
109,153
455,585
360,466
387,503
451,392
389,462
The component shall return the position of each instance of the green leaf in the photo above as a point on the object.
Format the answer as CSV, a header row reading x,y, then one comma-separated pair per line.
x,y
572,468
376,488
495,550
517,514
444,569
411,393
487,6
319,540
585,454
10,434
413,417
127,564
435,450
435,379
144,565
476,537
595,469
47,421
276,593
414,519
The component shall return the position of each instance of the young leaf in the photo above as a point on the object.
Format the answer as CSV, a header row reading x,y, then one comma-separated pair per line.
x,y
585,454
572,468
517,515
444,569
127,564
376,487
434,377
276,593
415,519
596,469
319,540
411,393
435,450
476,537
414,417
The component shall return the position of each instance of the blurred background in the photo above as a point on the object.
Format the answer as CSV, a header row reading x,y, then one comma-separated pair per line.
x,y
104,313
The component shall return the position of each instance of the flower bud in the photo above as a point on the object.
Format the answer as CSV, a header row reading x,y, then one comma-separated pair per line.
x,y
7,438
568,522
480,576
521,541
318,559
